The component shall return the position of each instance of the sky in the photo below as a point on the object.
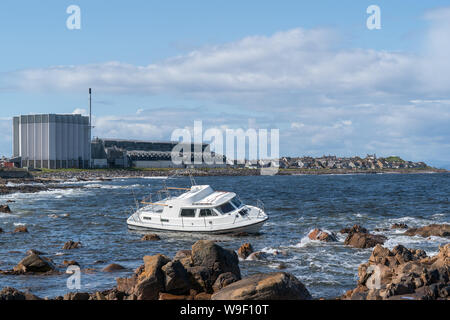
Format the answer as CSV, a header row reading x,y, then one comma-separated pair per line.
x,y
311,69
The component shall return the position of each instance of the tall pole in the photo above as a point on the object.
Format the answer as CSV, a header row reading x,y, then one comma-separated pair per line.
x,y
90,107
90,127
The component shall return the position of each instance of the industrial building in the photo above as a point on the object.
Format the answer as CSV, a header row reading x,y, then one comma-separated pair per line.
x,y
52,141
118,153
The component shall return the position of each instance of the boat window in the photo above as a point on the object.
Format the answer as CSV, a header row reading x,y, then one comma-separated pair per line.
x,y
188,213
226,208
207,213
236,202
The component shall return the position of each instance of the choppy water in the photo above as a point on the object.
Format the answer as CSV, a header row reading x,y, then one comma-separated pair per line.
x,y
96,216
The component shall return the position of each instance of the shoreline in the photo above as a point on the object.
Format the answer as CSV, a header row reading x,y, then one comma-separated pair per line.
x,y
46,179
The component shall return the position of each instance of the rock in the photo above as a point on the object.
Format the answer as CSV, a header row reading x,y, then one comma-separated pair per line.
x,y
438,230
363,240
355,229
79,296
399,226
185,257
216,259
34,264
402,273
224,280
97,296
69,245
182,254
176,278
318,234
203,296
113,267
1,230
245,250
257,256
70,263
5,209
150,237
172,297
273,286
126,285
200,278
33,251
20,229
150,281
10,294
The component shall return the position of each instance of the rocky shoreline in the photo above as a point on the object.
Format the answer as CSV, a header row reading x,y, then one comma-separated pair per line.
x,y
208,271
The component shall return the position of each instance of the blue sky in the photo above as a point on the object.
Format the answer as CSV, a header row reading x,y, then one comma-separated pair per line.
x,y
310,68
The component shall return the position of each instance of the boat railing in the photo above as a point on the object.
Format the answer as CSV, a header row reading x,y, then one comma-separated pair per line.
x,y
260,206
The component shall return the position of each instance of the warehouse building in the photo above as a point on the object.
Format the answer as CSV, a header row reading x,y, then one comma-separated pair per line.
x,y
118,153
52,141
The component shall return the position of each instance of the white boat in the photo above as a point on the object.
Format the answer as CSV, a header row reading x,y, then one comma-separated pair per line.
x,y
198,209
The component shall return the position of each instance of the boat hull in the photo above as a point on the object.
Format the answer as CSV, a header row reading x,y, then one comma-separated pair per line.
x,y
252,228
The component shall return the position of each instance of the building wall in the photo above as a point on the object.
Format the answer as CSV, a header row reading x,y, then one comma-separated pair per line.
x,y
52,141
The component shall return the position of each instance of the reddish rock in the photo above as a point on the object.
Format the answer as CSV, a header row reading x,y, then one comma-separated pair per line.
x,y
69,245
173,297
245,250
34,263
364,240
318,234
150,237
438,230
20,229
70,263
273,286
403,274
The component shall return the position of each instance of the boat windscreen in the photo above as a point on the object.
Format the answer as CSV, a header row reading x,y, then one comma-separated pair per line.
x,y
226,208
236,202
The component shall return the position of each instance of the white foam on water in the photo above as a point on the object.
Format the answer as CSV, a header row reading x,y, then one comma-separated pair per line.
x,y
413,242
17,224
12,184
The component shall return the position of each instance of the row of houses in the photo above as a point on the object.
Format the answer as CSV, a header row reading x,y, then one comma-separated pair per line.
x,y
370,162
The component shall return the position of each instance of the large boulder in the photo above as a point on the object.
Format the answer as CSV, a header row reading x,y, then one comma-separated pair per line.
x,y
217,260
402,273
438,230
273,286
148,280
34,263
318,234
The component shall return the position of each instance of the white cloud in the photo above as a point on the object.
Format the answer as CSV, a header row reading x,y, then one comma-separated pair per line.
x,y
83,112
322,97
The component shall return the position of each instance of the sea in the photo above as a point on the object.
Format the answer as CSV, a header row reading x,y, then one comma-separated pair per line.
x,y
95,213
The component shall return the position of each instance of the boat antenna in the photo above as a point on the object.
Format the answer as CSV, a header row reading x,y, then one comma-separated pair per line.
x,y
135,200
